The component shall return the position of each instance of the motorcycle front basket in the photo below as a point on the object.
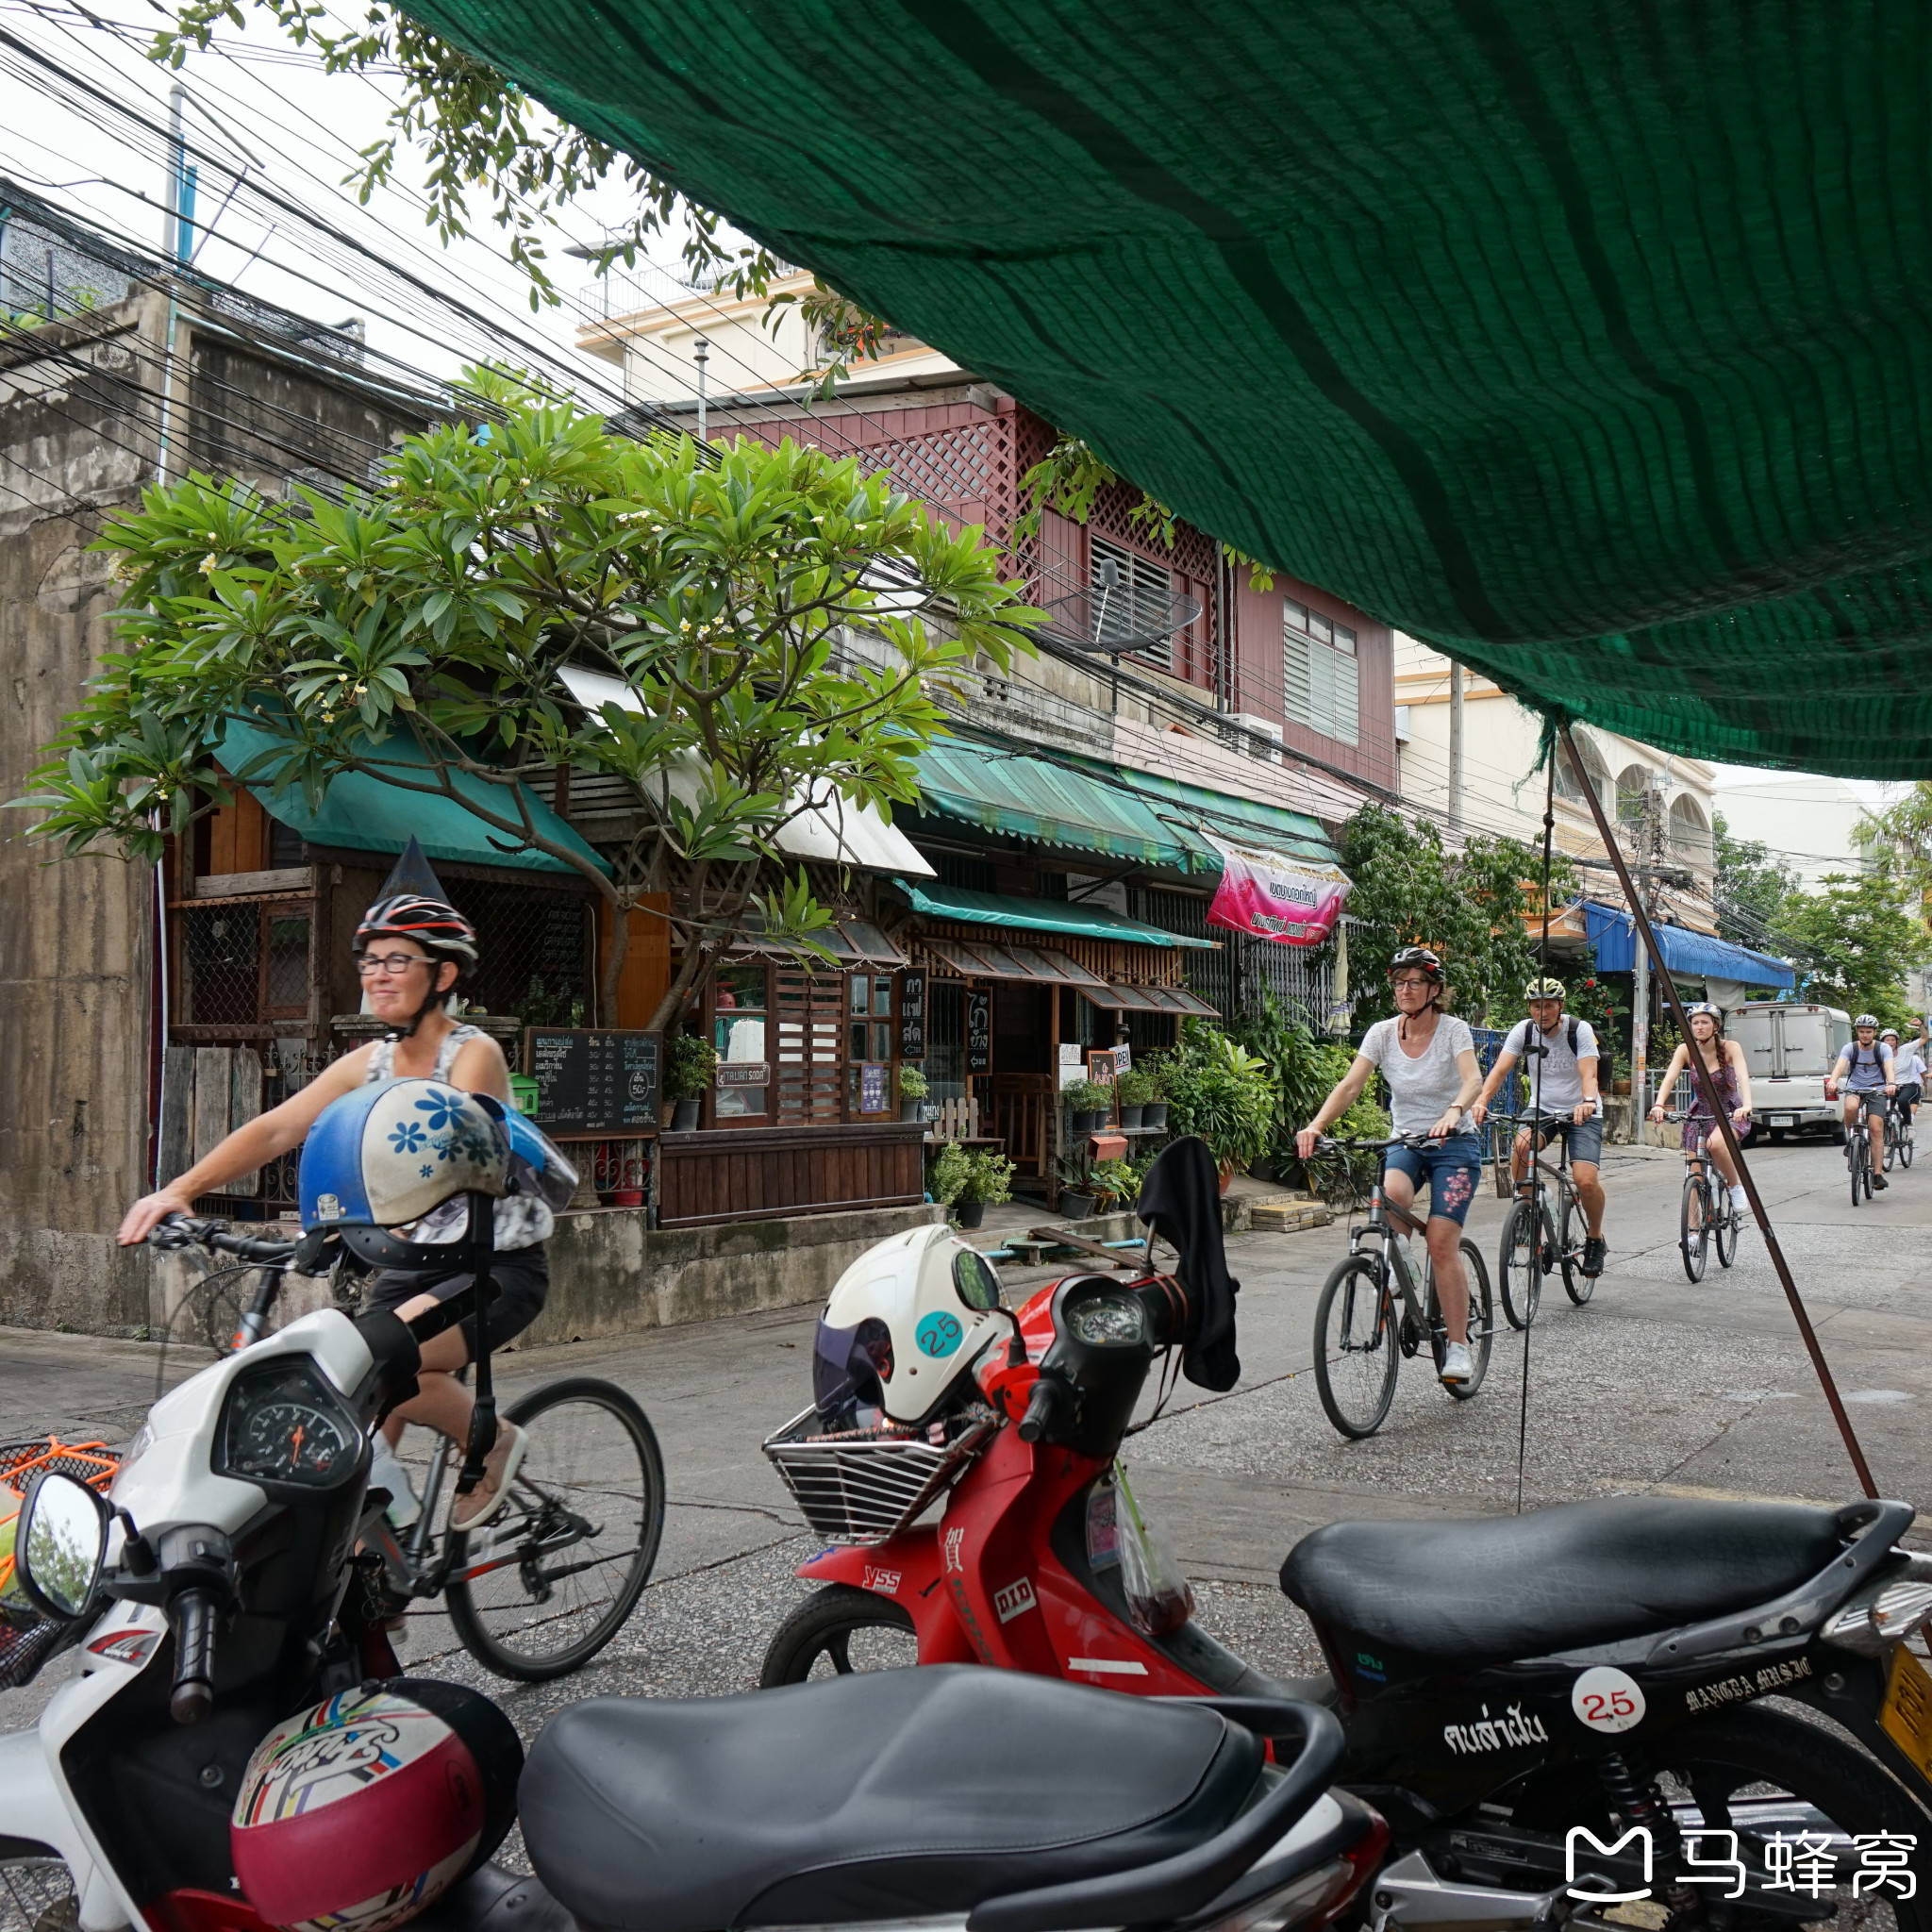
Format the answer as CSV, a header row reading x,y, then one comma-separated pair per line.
x,y
863,1486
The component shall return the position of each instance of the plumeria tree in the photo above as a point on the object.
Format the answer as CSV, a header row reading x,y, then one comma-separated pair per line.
x,y
777,631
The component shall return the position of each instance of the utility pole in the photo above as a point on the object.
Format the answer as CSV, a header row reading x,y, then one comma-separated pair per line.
x,y
1454,746
702,354
1647,836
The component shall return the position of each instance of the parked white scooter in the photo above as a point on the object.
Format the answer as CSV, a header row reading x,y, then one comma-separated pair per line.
x,y
223,1762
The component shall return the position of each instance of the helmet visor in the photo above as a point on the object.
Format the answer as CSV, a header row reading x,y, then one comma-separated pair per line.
x,y
847,1364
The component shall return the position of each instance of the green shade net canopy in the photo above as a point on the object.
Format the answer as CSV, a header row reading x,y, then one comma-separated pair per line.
x,y
1586,341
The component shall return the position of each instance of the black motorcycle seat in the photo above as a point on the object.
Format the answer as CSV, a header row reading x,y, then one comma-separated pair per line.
x,y
881,1795
1562,1578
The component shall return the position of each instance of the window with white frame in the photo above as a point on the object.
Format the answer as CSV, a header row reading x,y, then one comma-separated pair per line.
x,y
1131,596
1319,678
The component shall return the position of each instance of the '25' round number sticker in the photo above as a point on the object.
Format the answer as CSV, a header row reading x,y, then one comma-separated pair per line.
x,y
939,1335
1607,1699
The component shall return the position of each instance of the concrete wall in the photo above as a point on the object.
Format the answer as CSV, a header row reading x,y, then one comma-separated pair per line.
x,y
609,1274
75,945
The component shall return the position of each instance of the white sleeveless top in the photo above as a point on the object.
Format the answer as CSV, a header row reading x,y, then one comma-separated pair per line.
x,y
521,1220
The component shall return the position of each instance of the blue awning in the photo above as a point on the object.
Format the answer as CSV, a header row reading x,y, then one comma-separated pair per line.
x,y
1613,946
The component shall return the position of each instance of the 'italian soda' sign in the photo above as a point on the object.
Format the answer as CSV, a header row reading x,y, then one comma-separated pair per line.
x,y
1293,901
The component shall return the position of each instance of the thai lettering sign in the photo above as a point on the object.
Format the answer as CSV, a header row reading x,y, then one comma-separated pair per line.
x,y
1293,901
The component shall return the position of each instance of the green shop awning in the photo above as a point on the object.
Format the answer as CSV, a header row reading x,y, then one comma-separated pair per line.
x,y
1589,341
362,814
1043,804
1195,807
1063,916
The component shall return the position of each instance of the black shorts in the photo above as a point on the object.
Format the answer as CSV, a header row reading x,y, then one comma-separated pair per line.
x,y
519,1276
1907,1095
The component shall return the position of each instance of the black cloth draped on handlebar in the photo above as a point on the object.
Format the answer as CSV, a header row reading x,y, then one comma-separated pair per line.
x,y
1181,1202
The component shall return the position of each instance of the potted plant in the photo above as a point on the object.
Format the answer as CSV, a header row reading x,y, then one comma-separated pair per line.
x,y
1089,1103
1116,1182
1077,1199
912,1091
1154,1072
690,1071
1225,1094
1138,1086
945,1180
989,1178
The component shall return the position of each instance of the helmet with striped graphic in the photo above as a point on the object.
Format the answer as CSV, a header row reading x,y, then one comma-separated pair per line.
x,y
382,1157
904,1325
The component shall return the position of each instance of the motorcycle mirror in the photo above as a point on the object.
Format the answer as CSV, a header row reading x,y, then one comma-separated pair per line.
x,y
60,1543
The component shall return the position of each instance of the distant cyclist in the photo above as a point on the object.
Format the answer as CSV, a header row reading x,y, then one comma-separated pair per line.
x,y
1864,1069
1568,1085
1428,1059
1908,1070
1723,1060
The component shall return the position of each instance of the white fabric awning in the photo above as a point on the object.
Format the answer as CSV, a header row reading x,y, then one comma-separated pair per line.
x,y
837,833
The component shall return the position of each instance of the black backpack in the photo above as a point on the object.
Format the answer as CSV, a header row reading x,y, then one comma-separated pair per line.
x,y
1605,1059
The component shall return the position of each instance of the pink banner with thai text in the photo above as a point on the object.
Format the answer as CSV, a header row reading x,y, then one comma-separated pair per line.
x,y
1293,901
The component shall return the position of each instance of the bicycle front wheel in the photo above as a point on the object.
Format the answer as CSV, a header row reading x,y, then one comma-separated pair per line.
x,y
1357,1352
1693,1227
1578,1285
1857,1156
1904,1146
1482,1324
544,1588
1726,1232
1519,1263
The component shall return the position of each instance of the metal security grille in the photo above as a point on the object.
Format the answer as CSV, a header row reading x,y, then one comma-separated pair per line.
x,y
536,945
1233,978
243,962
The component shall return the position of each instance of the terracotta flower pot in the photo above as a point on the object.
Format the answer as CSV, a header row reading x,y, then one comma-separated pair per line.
x,y
1228,1169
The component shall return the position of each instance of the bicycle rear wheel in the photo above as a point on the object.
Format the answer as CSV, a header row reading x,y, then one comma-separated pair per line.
x,y
545,1586
1482,1324
1904,1145
1519,1262
1357,1352
1693,1227
1726,1232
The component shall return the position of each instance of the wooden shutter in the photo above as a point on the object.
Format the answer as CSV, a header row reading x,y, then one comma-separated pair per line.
x,y
811,1016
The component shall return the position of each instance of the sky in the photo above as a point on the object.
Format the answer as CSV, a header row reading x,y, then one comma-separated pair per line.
x,y
266,111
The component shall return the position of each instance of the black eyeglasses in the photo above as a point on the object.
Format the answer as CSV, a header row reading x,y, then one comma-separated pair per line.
x,y
394,964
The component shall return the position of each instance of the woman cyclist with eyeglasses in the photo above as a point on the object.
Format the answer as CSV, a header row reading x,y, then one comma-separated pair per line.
x,y
1427,1057
412,951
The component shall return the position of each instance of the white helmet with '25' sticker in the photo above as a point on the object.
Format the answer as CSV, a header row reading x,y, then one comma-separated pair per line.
x,y
904,1325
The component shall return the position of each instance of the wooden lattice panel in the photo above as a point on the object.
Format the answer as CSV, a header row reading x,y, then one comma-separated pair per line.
x,y
809,1064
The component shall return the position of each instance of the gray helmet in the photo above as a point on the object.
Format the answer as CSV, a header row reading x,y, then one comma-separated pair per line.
x,y
1870,1020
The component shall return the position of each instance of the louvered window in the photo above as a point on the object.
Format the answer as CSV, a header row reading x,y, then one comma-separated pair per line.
x,y
1319,674
1140,598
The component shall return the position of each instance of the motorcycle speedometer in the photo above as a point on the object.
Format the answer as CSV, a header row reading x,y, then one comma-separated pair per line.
x,y
284,1428
1108,1321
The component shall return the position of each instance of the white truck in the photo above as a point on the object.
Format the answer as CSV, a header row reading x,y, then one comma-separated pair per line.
x,y
1789,1049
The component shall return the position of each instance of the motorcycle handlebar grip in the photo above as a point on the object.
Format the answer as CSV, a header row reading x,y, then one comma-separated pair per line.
x,y
193,1695
1040,1410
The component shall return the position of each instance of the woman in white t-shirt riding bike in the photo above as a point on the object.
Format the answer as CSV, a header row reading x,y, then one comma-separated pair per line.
x,y
1428,1059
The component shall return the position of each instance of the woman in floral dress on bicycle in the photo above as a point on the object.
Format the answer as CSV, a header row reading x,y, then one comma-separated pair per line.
x,y
1724,1060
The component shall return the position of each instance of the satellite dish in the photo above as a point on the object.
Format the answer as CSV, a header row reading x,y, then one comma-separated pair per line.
x,y
1116,617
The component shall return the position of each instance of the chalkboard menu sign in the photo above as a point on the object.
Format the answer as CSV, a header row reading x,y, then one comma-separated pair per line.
x,y
593,1082
912,1016
979,1031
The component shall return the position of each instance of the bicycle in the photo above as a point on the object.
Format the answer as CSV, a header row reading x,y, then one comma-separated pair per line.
x,y
590,1489
1359,1340
1859,1145
1700,1217
1900,1136
1533,1241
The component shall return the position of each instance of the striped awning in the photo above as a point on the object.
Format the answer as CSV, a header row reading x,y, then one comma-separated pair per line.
x,y
983,960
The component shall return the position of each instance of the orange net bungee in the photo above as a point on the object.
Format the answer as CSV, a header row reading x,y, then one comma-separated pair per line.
x,y
92,1463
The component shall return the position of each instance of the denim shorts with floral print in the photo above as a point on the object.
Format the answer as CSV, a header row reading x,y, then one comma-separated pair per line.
x,y
1450,1169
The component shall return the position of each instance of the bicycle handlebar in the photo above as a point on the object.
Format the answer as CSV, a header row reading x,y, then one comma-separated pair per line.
x,y
184,1230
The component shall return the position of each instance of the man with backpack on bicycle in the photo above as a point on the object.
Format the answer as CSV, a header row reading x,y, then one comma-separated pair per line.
x,y
1568,1048
1864,1068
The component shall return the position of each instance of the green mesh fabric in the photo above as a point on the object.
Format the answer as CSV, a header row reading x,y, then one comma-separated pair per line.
x,y
1589,341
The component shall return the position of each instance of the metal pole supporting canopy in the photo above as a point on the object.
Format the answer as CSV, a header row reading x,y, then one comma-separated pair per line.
x,y
1719,1112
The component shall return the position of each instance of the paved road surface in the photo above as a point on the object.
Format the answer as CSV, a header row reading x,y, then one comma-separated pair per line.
x,y
1657,1386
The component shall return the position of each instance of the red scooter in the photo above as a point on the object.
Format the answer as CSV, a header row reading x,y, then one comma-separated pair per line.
x,y
1500,1682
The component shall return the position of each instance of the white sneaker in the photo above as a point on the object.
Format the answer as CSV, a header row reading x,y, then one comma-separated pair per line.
x,y
1740,1205
1457,1365
386,1473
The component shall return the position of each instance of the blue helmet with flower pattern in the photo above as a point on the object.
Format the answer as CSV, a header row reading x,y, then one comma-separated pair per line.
x,y
385,1155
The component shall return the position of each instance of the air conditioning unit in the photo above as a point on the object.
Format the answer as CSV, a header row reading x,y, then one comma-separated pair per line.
x,y
1402,724
1255,726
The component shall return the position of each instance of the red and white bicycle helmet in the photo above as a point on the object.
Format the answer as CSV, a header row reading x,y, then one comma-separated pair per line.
x,y
434,923
360,1811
